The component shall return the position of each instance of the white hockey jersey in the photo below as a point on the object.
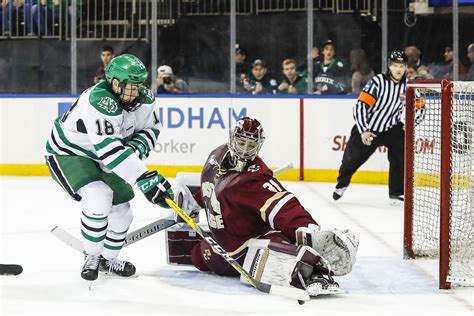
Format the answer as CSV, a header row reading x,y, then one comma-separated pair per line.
x,y
98,128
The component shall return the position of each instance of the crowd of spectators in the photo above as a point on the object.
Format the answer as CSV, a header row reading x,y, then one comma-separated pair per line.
x,y
32,17
332,76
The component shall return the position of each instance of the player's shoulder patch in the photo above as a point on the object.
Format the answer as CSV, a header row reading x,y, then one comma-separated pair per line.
x,y
253,168
146,96
104,101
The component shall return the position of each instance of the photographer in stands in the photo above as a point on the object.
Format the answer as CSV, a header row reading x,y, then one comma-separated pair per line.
x,y
167,83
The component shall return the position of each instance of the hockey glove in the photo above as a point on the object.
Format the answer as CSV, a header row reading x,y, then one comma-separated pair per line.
x,y
143,151
155,187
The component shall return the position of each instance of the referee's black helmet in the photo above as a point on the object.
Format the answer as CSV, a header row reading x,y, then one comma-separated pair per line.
x,y
397,57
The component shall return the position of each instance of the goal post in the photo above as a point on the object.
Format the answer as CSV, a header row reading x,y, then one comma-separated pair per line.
x,y
439,172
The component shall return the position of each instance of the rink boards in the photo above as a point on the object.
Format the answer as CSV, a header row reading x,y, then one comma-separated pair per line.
x,y
311,132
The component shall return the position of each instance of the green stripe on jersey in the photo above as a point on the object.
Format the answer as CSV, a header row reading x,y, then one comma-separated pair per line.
x,y
143,139
90,154
106,142
112,247
120,158
93,239
50,150
156,132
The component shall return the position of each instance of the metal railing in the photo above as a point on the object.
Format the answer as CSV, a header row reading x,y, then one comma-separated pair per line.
x,y
334,6
114,20
214,7
131,19
95,19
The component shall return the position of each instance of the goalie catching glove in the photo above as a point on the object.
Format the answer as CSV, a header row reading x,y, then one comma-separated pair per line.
x,y
338,247
155,187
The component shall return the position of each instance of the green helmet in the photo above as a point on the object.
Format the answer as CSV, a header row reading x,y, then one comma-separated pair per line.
x,y
126,68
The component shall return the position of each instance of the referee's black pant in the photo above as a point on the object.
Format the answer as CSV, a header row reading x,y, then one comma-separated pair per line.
x,y
357,153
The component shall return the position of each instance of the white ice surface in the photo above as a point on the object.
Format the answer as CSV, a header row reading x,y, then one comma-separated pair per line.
x,y
381,282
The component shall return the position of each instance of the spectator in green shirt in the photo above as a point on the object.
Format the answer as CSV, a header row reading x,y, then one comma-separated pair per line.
x,y
293,83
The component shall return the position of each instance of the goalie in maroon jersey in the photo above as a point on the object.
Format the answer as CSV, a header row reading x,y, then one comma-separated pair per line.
x,y
258,222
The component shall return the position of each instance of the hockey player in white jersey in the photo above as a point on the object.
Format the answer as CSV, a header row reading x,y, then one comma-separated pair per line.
x,y
96,151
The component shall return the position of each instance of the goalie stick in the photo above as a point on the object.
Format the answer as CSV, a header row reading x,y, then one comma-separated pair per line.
x,y
289,292
140,233
131,238
10,269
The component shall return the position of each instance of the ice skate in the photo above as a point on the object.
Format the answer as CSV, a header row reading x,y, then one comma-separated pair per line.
x,y
321,285
90,268
397,200
116,267
338,193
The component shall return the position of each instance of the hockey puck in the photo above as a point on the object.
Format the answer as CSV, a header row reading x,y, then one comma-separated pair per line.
x,y
10,269
301,302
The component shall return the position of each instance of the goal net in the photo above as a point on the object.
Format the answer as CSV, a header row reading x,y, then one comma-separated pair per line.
x,y
439,177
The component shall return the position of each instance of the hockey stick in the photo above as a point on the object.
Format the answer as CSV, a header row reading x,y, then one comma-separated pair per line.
x,y
283,168
131,238
10,269
289,292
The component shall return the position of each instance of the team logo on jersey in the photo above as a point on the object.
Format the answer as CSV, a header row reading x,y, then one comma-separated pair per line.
x,y
108,104
149,94
213,161
253,168
207,254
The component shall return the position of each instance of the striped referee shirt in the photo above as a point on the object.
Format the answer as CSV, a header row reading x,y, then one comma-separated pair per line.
x,y
379,106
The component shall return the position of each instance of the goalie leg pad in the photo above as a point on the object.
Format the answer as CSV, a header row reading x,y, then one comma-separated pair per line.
x,y
337,247
281,264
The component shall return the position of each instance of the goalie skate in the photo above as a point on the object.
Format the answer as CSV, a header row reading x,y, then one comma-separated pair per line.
x,y
319,285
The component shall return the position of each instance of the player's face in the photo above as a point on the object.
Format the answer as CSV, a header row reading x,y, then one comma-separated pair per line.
x,y
128,93
397,70
259,71
329,52
106,57
245,148
289,71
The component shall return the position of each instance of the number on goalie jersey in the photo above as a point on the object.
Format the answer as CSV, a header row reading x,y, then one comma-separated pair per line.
x,y
95,152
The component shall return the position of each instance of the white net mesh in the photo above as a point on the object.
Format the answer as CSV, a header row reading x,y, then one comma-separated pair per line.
x,y
461,257
426,180
426,174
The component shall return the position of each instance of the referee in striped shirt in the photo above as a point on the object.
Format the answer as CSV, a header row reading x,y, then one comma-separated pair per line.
x,y
378,122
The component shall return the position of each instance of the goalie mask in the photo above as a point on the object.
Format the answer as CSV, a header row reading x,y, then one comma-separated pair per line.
x,y
245,141
130,74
